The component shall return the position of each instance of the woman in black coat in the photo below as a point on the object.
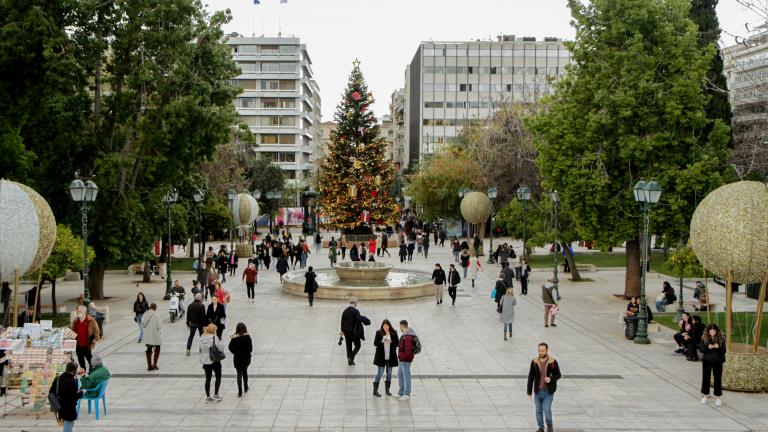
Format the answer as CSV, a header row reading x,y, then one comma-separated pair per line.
x,y
713,356
241,347
65,387
216,314
282,266
310,285
385,358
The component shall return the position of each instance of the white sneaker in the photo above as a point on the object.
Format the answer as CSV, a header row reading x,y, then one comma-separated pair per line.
x,y
704,400
218,398
718,402
404,398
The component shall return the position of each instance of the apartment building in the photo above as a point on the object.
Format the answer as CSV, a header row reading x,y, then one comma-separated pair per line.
x,y
280,102
399,130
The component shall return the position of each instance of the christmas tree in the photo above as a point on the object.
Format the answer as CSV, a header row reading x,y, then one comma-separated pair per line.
x,y
356,177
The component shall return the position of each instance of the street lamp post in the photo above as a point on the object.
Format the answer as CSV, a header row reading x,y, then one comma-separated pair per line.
x,y
231,197
492,195
524,195
84,193
257,195
169,200
556,205
647,194
198,195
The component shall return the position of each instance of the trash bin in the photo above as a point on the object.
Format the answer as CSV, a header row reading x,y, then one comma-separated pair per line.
x,y
630,328
753,291
99,317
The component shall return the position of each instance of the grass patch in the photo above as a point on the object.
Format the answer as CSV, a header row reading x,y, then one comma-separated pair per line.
x,y
177,264
743,324
609,259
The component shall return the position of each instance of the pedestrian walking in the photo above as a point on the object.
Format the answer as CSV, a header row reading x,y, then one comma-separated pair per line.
x,y
403,252
408,346
221,264
282,267
441,235
464,261
550,297
385,244
196,320
362,251
87,331
507,274
411,247
426,246
354,254
343,244
453,282
499,290
474,267
65,388
153,336
318,242
139,307
310,285
216,314
439,279
713,356
543,375
507,306
372,247
241,347
233,263
456,248
303,253
211,355
352,329
525,272
250,275
385,357
332,255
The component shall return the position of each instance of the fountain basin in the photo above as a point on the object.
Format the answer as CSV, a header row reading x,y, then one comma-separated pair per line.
x,y
397,284
362,270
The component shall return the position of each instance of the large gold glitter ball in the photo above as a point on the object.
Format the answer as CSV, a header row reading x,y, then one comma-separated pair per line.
x,y
729,231
475,207
27,230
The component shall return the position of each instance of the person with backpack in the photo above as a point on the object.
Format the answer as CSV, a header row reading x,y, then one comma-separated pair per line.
x,y
241,347
63,396
408,346
464,261
211,355
453,281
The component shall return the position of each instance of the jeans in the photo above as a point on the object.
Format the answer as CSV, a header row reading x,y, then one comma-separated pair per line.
x,y
192,330
141,329
661,305
380,372
543,401
318,246
508,328
69,426
426,251
251,291
404,378
456,256
213,368
465,272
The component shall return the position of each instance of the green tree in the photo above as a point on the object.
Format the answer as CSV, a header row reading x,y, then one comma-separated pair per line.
x,y
265,176
67,254
356,176
631,106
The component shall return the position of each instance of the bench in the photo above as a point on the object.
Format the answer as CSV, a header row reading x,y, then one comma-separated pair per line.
x,y
135,269
582,267
713,307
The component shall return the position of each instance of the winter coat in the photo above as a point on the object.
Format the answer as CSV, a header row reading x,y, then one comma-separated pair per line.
x,y
94,335
508,276
282,265
453,277
549,294
153,328
714,355
473,268
438,276
241,348
206,342
216,316
310,284
354,254
508,303
196,315
534,374
378,357
464,259
65,387
501,290
406,344
140,307
96,376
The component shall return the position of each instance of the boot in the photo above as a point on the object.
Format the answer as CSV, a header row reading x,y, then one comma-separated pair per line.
x,y
505,335
549,427
376,389
149,360
473,283
157,355
386,388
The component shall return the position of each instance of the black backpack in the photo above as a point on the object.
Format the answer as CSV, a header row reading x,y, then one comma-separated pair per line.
x,y
53,398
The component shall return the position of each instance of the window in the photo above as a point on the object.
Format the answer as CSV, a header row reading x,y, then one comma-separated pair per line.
x,y
433,104
493,70
247,84
270,49
270,85
470,70
462,87
278,121
247,102
247,49
289,174
269,102
288,67
287,85
287,139
288,49
280,157
247,67
269,138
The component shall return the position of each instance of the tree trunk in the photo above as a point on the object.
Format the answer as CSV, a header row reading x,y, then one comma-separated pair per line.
x,y
575,276
96,282
192,247
632,278
53,296
147,274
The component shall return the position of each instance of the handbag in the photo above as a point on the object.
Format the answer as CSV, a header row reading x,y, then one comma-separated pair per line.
x,y
53,398
493,293
215,353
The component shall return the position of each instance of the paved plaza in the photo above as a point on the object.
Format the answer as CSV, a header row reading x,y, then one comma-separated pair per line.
x,y
466,378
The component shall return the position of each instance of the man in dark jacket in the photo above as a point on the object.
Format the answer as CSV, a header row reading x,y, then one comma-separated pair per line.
x,y
542,384
351,329
65,388
507,274
501,289
196,319
692,344
408,346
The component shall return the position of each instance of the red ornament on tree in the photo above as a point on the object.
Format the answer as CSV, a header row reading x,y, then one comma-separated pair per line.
x,y
365,216
356,96
363,108
374,193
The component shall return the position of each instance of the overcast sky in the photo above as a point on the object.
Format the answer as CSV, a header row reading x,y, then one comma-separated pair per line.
x,y
384,34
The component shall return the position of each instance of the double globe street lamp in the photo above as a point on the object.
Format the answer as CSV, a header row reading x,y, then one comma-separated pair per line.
x,y
169,200
555,197
84,193
647,194
524,195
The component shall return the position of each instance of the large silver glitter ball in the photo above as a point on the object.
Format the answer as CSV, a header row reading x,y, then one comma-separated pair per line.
x,y
475,207
245,209
729,230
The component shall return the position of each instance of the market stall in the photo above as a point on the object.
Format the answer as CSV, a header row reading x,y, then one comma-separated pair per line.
x,y
37,353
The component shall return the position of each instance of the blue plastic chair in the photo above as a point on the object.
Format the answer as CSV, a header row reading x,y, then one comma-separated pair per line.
x,y
102,389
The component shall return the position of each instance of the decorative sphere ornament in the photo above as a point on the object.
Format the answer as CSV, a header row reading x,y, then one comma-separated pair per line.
x,y
475,207
27,230
245,209
729,231
357,164
356,96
